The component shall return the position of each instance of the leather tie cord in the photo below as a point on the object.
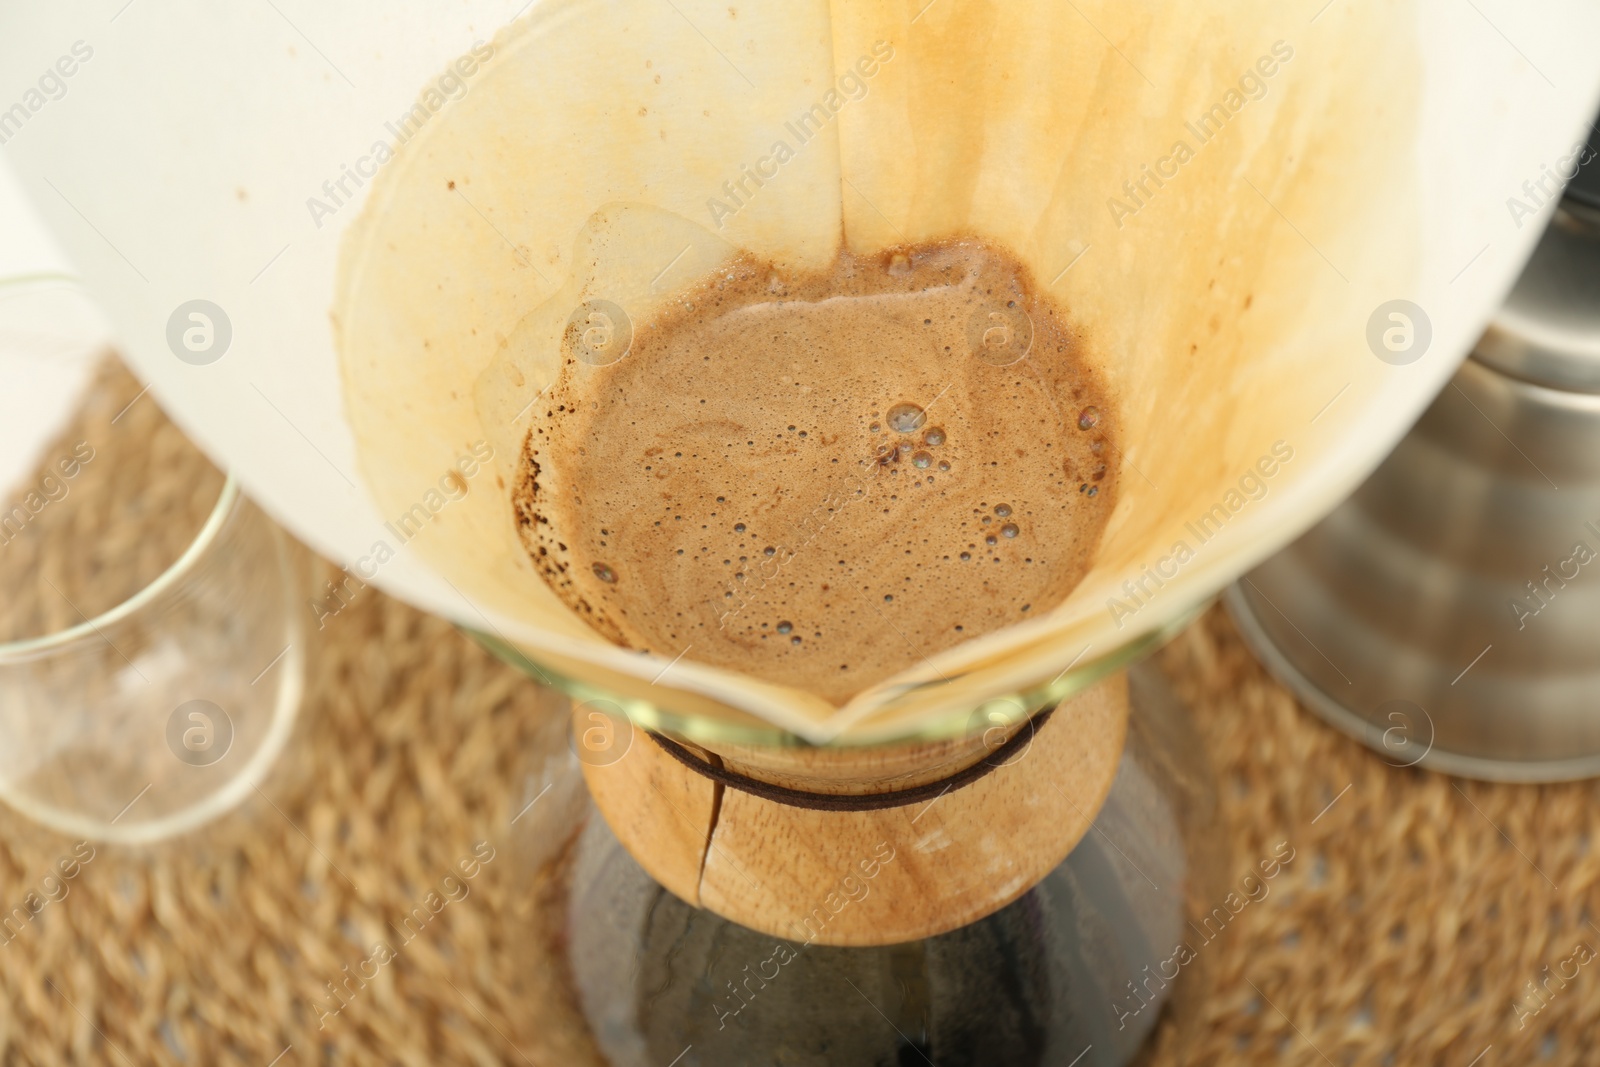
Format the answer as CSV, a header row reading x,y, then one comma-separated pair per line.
x,y
800,798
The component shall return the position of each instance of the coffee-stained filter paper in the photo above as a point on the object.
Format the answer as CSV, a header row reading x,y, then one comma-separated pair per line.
x,y
1219,201
1224,198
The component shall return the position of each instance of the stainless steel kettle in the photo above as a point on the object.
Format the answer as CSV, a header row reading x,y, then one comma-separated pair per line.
x,y
1448,613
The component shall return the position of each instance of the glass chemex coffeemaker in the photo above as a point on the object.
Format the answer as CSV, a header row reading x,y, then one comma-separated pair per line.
x,y
361,268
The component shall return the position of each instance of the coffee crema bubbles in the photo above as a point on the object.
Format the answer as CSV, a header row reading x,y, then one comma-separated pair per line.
x,y
822,479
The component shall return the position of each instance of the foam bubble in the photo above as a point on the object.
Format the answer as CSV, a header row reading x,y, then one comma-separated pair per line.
x,y
906,418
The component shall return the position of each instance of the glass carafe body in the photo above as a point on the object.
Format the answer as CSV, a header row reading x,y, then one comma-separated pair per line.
x,y
1078,970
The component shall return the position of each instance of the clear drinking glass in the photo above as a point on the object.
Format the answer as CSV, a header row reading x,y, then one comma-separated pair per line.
x,y
165,711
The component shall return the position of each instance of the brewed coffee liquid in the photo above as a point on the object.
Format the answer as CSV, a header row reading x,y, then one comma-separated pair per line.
x,y
822,479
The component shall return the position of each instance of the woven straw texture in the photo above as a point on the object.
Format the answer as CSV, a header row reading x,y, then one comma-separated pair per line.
x,y
1423,920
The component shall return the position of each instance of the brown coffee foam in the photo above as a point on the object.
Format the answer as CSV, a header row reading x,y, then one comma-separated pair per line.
x,y
736,484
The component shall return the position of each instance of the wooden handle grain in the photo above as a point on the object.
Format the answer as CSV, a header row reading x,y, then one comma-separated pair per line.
x,y
866,877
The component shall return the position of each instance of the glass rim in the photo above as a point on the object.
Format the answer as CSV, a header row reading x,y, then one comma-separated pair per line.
x,y
714,730
175,572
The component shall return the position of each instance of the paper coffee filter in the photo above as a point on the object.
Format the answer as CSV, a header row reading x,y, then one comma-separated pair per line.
x,y
537,157
1227,305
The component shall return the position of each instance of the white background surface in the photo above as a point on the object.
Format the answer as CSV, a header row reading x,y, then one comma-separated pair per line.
x,y
51,333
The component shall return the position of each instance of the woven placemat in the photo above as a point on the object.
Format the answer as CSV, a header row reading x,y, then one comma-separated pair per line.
x,y
1423,919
